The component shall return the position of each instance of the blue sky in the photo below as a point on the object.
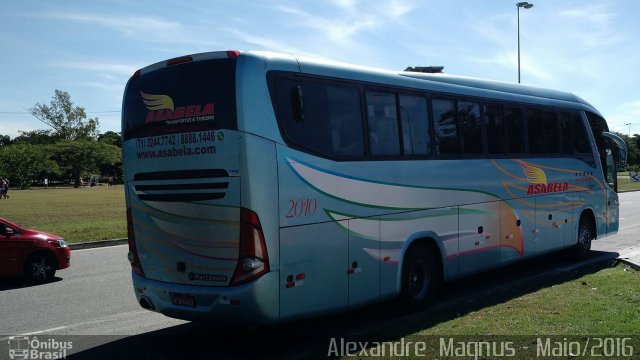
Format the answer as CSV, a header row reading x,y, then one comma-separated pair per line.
x,y
91,48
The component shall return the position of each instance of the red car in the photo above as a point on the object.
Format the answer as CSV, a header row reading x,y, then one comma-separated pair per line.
x,y
33,254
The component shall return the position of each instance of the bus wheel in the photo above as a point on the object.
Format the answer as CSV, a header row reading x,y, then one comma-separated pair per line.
x,y
582,249
421,277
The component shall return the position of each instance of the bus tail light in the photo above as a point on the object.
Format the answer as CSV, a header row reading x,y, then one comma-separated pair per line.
x,y
233,54
179,60
136,74
133,251
253,260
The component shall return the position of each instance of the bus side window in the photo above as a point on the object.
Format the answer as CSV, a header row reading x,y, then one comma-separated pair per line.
x,y
415,125
566,140
550,129
496,129
580,139
534,131
514,121
444,118
383,123
345,117
598,126
307,130
470,127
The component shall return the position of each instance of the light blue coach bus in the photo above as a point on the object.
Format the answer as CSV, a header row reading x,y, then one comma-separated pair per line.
x,y
263,187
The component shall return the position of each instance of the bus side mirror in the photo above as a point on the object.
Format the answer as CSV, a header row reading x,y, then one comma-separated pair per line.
x,y
611,170
622,147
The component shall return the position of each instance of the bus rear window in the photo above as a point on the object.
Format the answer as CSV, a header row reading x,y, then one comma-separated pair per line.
x,y
193,96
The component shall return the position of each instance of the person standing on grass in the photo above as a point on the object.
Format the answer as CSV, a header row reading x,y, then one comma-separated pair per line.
x,y
4,184
6,188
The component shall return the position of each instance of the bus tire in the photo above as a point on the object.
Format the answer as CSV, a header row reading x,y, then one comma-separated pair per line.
x,y
586,234
421,277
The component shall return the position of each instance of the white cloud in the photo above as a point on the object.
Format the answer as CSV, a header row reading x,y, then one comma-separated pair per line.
x,y
595,14
354,19
110,68
261,42
143,29
338,30
108,86
345,4
398,8
126,24
591,25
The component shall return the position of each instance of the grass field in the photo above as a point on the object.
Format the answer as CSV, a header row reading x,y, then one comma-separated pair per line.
x,y
625,184
598,301
591,301
78,215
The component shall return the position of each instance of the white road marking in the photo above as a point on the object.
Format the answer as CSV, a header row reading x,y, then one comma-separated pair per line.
x,y
92,322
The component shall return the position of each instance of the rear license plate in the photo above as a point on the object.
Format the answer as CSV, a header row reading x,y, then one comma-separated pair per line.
x,y
183,300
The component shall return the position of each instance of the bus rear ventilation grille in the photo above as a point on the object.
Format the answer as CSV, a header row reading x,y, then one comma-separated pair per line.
x,y
158,186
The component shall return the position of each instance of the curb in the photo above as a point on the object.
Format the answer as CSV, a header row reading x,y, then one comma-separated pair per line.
x,y
630,264
631,257
97,244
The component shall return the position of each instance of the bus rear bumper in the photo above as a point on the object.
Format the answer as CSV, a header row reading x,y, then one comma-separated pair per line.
x,y
252,303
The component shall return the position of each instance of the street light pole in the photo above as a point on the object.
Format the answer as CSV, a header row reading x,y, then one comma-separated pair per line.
x,y
629,124
519,5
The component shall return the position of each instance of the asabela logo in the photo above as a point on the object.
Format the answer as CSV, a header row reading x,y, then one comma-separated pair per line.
x,y
538,180
162,108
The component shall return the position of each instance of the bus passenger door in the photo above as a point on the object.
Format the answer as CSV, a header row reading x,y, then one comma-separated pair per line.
x,y
479,236
363,267
617,153
312,269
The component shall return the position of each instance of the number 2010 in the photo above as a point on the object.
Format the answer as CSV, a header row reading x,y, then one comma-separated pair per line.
x,y
302,207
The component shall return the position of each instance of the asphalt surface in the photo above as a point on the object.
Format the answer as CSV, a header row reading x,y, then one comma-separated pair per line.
x,y
627,241
94,296
92,305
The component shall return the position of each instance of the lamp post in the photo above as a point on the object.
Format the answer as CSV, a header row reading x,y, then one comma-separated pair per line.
x,y
629,124
519,5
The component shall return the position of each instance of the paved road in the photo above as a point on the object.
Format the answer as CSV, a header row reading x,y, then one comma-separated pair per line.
x,y
628,236
95,297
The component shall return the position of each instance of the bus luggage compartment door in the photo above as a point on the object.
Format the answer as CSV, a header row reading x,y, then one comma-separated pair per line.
x,y
313,279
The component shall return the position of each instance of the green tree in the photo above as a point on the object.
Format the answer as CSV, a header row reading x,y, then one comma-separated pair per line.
x,y
5,140
35,137
68,122
633,158
111,137
23,164
82,157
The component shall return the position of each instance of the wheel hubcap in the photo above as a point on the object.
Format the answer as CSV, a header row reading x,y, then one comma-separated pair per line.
x,y
40,269
419,280
585,239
